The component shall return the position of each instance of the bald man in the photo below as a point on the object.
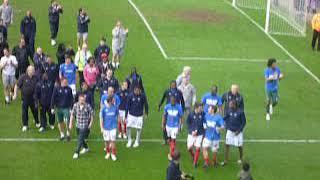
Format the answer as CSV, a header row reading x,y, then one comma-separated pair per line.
x,y
233,94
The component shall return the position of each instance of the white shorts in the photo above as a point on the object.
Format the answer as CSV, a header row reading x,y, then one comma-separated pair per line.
x,y
110,135
134,122
117,51
122,114
73,88
214,145
194,141
8,80
83,36
172,132
233,139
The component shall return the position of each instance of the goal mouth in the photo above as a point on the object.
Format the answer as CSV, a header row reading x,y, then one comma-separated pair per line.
x,y
283,17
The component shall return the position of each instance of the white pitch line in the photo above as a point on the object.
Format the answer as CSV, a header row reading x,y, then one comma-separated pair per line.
x,y
281,141
156,40
224,59
276,42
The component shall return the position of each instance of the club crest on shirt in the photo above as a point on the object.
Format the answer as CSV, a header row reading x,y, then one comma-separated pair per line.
x,y
211,102
172,112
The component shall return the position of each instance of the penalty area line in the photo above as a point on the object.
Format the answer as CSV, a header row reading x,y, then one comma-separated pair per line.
x,y
225,59
281,141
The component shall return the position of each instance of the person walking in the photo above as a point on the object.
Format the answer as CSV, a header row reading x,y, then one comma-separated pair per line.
x,y
83,21
6,13
81,60
55,9
119,36
83,114
21,54
28,29
27,84
316,31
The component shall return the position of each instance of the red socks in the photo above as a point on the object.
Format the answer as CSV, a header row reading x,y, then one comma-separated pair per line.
x,y
172,146
119,127
114,151
206,160
108,148
195,160
214,157
125,127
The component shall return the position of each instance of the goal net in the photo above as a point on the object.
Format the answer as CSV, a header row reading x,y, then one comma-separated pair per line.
x,y
283,17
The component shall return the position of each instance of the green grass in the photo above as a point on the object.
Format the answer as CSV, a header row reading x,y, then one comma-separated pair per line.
x,y
297,116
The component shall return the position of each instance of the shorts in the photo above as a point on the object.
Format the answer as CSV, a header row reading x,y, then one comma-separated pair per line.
x,y
63,115
233,139
272,96
117,51
73,88
213,144
8,80
172,132
122,114
194,141
134,121
110,135
83,36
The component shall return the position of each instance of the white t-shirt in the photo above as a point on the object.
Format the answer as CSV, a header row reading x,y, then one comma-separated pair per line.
x,y
8,65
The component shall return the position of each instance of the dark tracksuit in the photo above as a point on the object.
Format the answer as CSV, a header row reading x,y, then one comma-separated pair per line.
x,y
39,60
134,80
28,29
43,95
103,70
82,22
62,97
195,122
123,95
235,120
54,16
136,104
173,171
99,50
52,71
228,96
27,86
105,83
22,58
3,39
179,100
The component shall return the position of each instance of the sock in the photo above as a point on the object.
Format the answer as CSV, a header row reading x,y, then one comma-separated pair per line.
x,y
138,135
119,127
191,152
107,149
206,160
68,133
172,146
215,157
61,134
129,134
125,127
195,161
114,152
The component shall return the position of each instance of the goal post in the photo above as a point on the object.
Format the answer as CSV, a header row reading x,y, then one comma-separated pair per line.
x,y
283,17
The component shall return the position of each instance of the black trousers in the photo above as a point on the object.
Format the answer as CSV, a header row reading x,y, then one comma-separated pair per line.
x,y
44,111
315,38
26,104
82,136
81,78
30,46
22,68
165,135
54,28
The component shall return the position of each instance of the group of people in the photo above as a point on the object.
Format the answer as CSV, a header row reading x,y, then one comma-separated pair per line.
x,y
52,88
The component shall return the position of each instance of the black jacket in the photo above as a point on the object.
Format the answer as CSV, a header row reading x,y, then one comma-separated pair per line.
x,y
21,55
54,14
28,27
43,93
173,171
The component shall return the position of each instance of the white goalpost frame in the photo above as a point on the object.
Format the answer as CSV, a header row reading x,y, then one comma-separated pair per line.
x,y
294,28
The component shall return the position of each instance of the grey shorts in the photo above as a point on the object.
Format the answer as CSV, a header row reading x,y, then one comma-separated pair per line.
x,y
8,80
83,36
117,51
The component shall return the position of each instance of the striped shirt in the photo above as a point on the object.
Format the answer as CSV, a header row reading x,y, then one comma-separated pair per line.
x,y
83,114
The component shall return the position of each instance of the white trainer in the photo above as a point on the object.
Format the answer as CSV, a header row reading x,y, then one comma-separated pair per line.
x,y
169,157
136,144
52,127
75,156
271,109
239,161
84,150
38,125
113,64
129,143
113,157
107,156
124,136
41,129
268,117
24,128
53,42
119,135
